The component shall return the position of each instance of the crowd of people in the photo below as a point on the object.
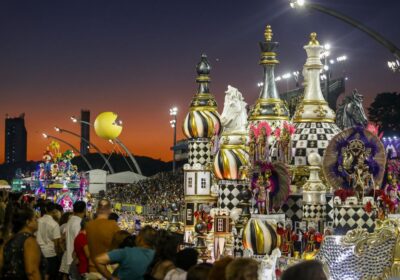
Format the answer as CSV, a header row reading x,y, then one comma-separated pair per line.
x,y
157,192
39,241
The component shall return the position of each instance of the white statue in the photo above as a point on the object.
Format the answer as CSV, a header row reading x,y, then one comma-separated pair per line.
x,y
268,265
234,115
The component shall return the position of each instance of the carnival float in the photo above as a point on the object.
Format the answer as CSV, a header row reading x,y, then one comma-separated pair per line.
x,y
56,178
261,184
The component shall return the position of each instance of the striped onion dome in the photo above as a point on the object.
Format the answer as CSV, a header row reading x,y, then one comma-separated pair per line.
x,y
261,237
203,120
232,155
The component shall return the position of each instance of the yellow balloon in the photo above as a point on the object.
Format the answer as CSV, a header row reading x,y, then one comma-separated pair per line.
x,y
107,126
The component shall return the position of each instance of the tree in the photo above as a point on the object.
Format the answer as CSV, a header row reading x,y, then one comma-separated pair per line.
x,y
385,112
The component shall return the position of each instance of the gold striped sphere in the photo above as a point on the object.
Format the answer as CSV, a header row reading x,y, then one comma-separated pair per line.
x,y
228,161
201,124
261,237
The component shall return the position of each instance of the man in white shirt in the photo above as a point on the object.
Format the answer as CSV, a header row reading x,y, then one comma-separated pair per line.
x,y
48,237
72,229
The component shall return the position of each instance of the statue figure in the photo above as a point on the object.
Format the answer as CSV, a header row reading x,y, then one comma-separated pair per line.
x,y
234,115
252,145
268,265
288,236
262,141
351,112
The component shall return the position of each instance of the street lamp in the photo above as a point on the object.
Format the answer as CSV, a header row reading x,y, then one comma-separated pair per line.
x,y
355,23
173,112
394,65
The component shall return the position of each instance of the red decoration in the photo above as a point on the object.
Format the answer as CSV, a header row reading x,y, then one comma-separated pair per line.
x,y
368,207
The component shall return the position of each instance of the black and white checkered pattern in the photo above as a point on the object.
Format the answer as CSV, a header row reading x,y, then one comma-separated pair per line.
x,y
229,191
199,151
351,217
329,208
293,207
311,137
344,263
238,244
314,212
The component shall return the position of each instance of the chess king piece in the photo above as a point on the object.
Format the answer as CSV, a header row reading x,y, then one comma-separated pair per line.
x,y
269,107
313,119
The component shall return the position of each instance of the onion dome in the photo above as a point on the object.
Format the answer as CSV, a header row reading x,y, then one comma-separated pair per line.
x,y
230,159
313,119
269,107
202,121
261,237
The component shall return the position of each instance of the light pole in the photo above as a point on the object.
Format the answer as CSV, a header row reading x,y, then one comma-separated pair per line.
x,y
61,130
355,23
119,142
173,112
47,136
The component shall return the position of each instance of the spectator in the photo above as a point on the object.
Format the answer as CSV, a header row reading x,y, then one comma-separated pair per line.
x,y
133,262
199,272
72,229
242,269
63,226
48,237
118,239
185,259
99,233
166,249
81,250
22,256
307,270
219,268
128,242
113,216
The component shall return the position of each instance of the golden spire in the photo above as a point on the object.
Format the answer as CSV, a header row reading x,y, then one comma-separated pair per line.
x,y
313,40
268,33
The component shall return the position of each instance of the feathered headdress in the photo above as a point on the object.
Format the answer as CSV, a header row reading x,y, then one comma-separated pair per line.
x,y
267,127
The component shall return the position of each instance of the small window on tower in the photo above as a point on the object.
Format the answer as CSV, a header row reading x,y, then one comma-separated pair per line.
x,y
220,225
190,182
203,183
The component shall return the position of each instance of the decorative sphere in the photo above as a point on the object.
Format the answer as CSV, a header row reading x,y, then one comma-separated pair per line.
x,y
314,159
200,227
174,207
107,126
246,194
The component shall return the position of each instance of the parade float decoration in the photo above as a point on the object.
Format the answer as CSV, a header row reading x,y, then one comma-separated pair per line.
x,y
354,163
269,107
231,152
58,179
351,112
201,124
108,126
314,119
339,212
